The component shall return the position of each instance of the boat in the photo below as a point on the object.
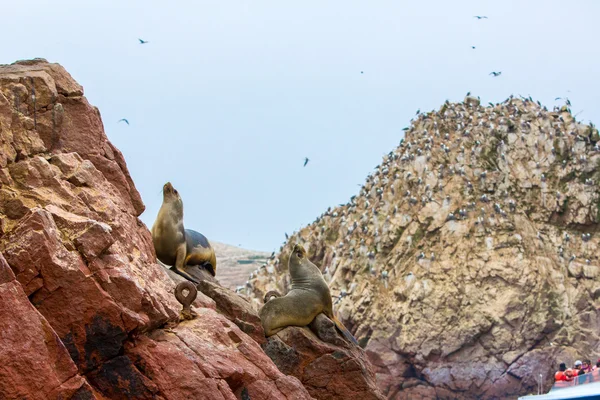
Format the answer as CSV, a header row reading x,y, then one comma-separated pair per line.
x,y
585,386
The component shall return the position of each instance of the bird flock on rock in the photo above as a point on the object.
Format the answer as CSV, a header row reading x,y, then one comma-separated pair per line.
x,y
466,164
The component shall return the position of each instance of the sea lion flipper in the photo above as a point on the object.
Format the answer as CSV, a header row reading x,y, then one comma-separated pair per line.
x,y
180,262
343,329
187,276
271,294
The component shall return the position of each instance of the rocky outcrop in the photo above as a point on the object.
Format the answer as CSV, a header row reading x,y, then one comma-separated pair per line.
x,y
206,358
85,310
236,309
468,263
236,264
327,365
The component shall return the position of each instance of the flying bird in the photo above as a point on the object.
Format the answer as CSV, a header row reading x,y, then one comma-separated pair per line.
x,y
142,41
496,73
480,17
362,72
473,47
124,120
306,160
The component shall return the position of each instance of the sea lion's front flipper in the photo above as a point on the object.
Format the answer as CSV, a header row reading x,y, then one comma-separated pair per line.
x,y
185,275
270,295
178,268
343,329
199,273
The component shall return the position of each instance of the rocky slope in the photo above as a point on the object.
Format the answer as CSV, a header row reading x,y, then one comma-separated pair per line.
x,y
236,263
468,263
85,310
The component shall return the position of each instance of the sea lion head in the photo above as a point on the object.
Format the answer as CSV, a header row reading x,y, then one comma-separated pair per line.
x,y
298,252
169,191
171,195
296,260
298,257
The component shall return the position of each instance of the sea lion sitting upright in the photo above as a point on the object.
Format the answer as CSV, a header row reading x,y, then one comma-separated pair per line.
x,y
308,298
175,245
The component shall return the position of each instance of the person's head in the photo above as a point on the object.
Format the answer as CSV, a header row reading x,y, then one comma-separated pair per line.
x,y
563,367
578,364
587,364
598,363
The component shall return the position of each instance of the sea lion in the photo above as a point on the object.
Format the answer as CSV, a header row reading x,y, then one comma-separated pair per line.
x,y
308,298
175,245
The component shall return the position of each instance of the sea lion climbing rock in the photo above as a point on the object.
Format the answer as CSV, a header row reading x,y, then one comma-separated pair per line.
x,y
308,298
175,245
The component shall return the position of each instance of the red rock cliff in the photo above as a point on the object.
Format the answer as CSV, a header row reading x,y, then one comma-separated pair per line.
x,y
82,300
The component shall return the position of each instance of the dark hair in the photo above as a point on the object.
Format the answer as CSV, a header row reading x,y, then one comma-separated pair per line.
x,y
563,367
598,363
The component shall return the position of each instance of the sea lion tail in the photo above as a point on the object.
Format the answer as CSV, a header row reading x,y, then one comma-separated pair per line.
x,y
343,329
187,276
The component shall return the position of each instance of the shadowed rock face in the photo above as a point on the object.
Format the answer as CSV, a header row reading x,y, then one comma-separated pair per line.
x,y
468,263
35,362
82,299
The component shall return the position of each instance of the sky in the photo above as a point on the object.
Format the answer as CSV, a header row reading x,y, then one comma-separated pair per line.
x,y
227,98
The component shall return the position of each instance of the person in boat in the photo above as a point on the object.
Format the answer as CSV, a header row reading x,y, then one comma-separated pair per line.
x,y
563,374
578,369
587,366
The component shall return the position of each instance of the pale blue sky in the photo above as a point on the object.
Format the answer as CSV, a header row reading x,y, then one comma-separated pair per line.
x,y
228,97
